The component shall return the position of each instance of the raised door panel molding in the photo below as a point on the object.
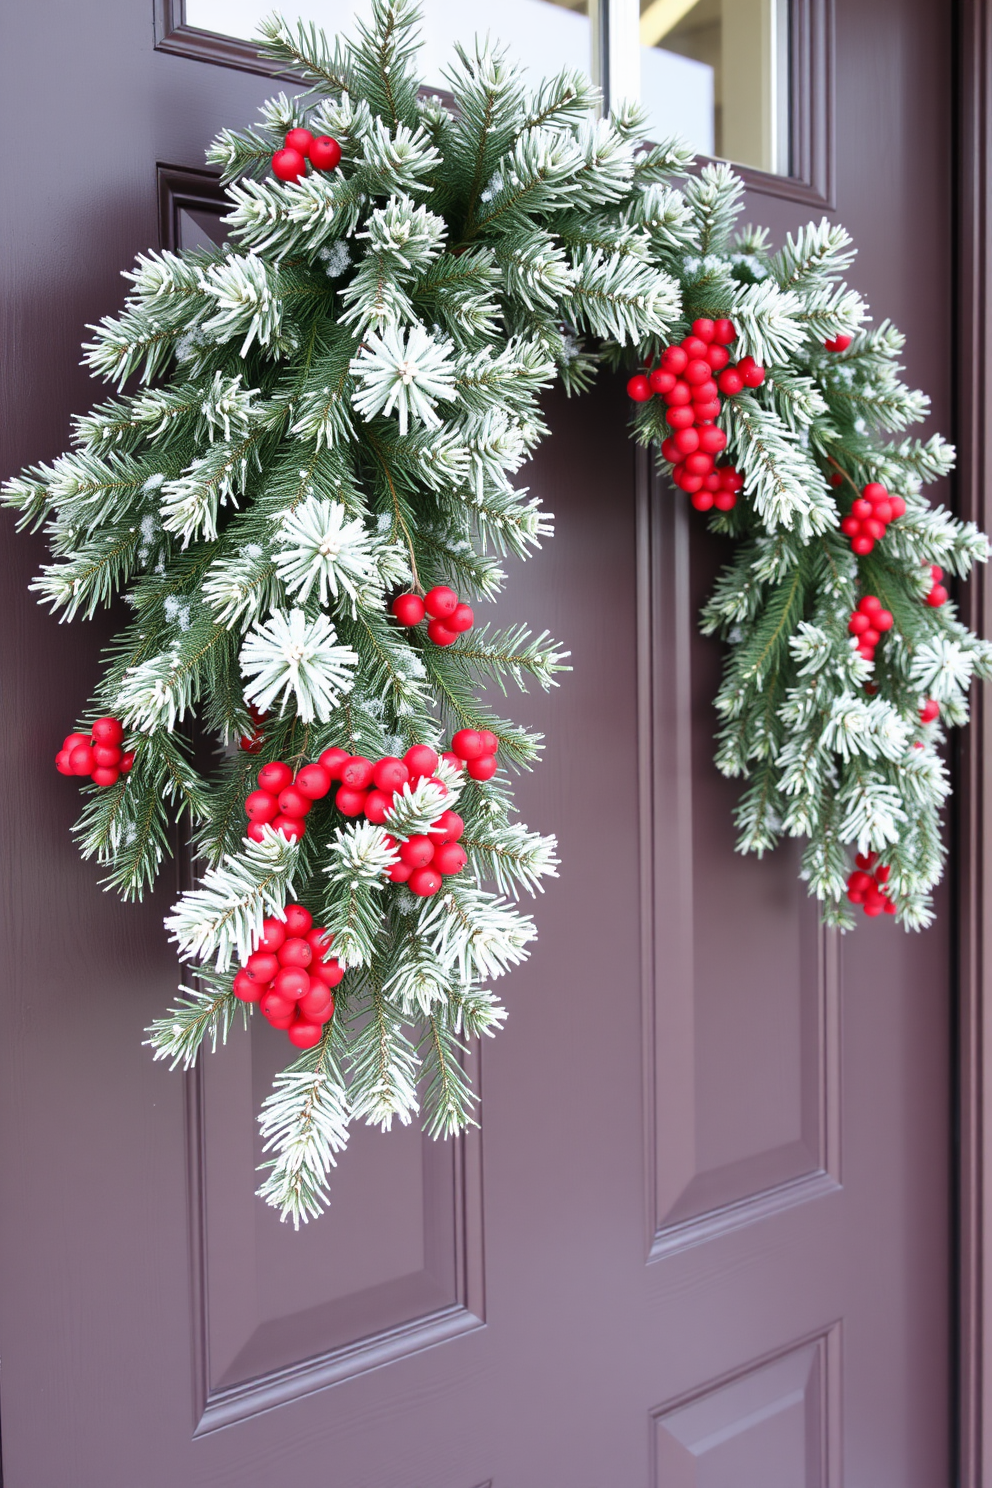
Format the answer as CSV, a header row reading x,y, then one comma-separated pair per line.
x,y
741,985
773,1424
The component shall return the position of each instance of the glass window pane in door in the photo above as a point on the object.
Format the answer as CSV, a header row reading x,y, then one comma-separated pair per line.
x,y
717,72
543,35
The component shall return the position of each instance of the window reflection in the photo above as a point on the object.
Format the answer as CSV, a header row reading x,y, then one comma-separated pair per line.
x,y
717,72
543,35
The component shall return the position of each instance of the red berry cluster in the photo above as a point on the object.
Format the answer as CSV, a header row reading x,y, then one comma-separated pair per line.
x,y
426,860
283,800
97,754
869,517
929,711
252,743
690,378
839,343
867,887
449,615
290,163
867,624
938,594
291,974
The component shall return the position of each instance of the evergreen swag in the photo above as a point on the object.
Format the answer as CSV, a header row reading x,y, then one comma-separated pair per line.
x,y
332,410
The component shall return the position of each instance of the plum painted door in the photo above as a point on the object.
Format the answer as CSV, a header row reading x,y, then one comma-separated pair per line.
x,y
703,1241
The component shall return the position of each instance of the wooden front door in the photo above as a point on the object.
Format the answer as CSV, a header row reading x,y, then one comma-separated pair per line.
x,y
703,1241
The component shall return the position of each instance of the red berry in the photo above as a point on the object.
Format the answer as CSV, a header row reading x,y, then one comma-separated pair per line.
x,y
261,967
724,331
687,482
883,620
704,329
661,381
467,744
873,528
449,857
680,418
869,604
105,775
107,756
730,382
317,1004
874,904
752,372
399,873
705,392
836,479
679,396
127,760
420,759
293,802
694,347
71,740
448,827
274,777
245,988
272,936
698,371
860,880
868,652
850,526
936,572
274,1005
712,440
699,463
292,827
856,896
639,388
62,762
841,343
390,773
862,545
490,740
883,512
295,952
463,618
408,609
357,772
929,711
329,973
866,860
424,881
81,760
288,165
687,441
255,831
702,500
670,451
861,509
252,743
299,140
416,852
440,634
937,596
107,731
859,623
350,802
333,760
377,806
482,769
718,357
875,491
325,152
313,781
291,981
705,413
882,873
303,1035
898,507
725,500
674,359
440,602
713,482
260,806
318,939
870,637
731,478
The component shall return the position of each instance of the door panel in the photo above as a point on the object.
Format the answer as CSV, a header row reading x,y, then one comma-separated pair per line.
x,y
704,1239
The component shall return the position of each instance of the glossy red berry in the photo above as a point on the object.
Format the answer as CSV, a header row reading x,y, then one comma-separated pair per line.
x,y
81,760
687,441
679,396
730,382
325,153
261,967
62,762
936,572
357,772
440,602
675,359
751,371
303,1035
298,919
661,380
929,711
448,827
420,759
680,418
698,371
273,935
408,609
698,463
104,775
390,774
440,633
424,881
317,1003
416,852
883,620
490,740
260,806
718,357
461,619
318,939
293,802
937,596
350,802
712,440
670,451
313,781
245,988
292,827
467,744
295,952
483,768
107,731
704,329
107,756
333,760
638,388
838,343
274,777
291,981
850,526
898,507
398,873
694,347
288,165
275,1006
255,831
377,806
862,545
71,740
299,140
329,973
449,857
859,623
725,500
724,331
703,500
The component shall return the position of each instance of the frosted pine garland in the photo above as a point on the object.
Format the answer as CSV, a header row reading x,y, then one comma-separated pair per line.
x,y
335,407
